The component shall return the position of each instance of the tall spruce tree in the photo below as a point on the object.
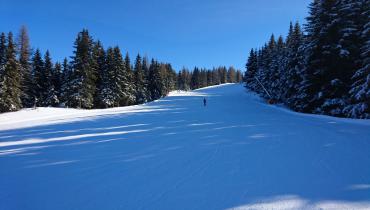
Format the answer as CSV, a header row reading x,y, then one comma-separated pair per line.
x,y
57,78
109,94
239,76
231,75
128,81
11,87
66,79
24,51
39,78
145,66
82,85
360,89
195,79
141,91
99,63
323,83
50,94
294,66
2,67
155,80
251,70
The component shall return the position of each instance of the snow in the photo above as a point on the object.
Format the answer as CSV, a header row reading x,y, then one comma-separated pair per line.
x,y
236,153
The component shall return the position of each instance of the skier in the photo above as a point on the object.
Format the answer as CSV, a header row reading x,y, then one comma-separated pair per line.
x,y
204,102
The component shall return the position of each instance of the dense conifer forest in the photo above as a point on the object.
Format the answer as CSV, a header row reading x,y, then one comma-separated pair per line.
x,y
94,77
322,67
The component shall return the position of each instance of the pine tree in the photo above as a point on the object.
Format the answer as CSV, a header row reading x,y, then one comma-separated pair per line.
x,y
171,80
195,79
50,94
155,80
39,78
99,63
360,88
216,77
251,70
11,92
278,67
223,74
57,77
179,83
2,67
294,66
66,79
109,93
128,82
165,78
146,79
239,76
140,81
27,96
184,80
231,75
324,79
203,78
83,79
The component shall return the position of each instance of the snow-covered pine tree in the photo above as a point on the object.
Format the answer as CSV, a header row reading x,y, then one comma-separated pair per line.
x,y
151,83
50,94
109,89
184,80
203,78
2,67
360,89
66,79
324,84
209,78
127,82
295,59
141,91
259,74
251,70
39,78
83,79
24,51
155,79
195,79
99,63
277,69
171,81
265,63
341,61
57,80
180,82
165,79
145,66
11,92
317,51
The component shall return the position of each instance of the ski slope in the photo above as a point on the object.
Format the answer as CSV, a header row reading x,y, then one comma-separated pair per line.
x,y
236,153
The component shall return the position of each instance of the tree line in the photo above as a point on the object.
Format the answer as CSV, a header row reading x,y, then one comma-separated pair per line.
x,y
199,78
323,68
94,77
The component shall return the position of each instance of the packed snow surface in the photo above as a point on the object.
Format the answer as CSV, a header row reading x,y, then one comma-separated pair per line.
x,y
174,153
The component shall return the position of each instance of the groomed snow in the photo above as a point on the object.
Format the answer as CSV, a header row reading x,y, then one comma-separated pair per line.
x,y
236,153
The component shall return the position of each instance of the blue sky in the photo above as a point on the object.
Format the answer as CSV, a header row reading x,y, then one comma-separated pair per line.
x,y
187,33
